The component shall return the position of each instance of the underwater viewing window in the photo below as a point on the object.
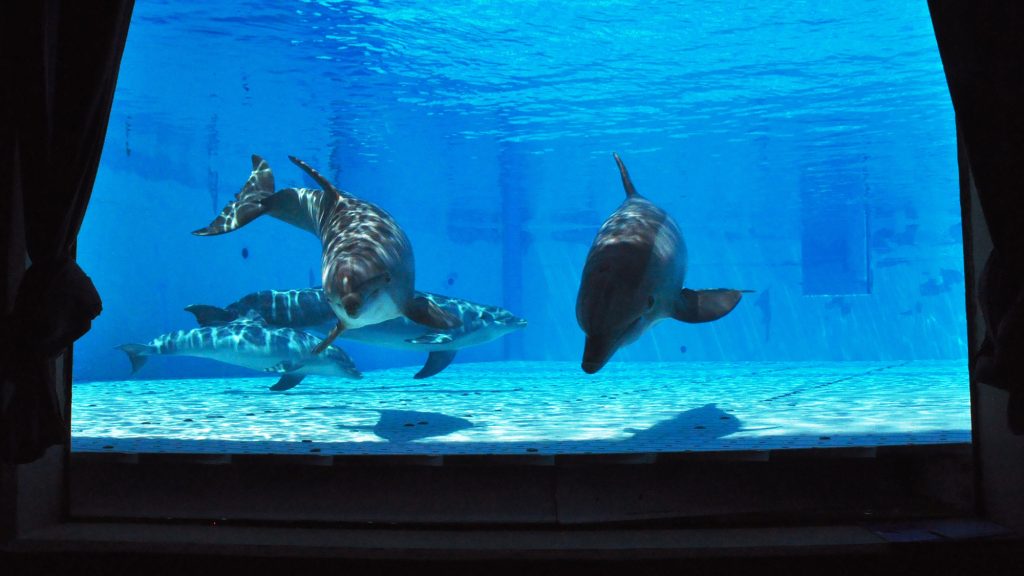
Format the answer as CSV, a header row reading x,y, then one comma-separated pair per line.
x,y
499,253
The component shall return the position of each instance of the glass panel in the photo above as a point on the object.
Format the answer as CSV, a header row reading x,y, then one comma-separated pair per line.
x,y
805,151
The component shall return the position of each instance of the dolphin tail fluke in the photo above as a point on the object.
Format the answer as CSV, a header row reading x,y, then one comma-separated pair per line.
x,y
695,306
247,205
422,311
436,361
137,354
627,183
210,315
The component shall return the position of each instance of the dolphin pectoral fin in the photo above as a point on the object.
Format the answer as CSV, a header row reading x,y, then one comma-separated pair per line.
x,y
247,205
210,315
436,362
422,311
287,382
695,306
334,333
431,338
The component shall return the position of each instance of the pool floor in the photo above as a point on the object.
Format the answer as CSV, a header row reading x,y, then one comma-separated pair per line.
x,y
536,408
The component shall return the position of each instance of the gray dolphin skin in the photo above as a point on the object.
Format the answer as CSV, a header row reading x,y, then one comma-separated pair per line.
x,y
308,308
299,309
633,278
250,343
367,265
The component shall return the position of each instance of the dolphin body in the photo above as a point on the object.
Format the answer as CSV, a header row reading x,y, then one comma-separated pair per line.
x,y
308,308
249,342
633,278
367,265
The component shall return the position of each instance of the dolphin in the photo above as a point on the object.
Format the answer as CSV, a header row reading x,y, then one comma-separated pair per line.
x,y
308,309
300,309
367,264
249,342
633,278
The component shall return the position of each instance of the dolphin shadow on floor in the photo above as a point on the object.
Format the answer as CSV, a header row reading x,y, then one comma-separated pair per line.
x,y
702,424
400,426
697,426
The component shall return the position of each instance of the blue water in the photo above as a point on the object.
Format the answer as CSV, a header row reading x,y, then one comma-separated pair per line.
x,y
806,150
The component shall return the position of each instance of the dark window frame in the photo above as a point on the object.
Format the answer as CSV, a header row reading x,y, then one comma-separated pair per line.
x,y
38,495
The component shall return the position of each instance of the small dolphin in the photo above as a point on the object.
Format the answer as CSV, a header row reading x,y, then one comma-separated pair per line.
x,y
250,343
367,265
633,278
308,308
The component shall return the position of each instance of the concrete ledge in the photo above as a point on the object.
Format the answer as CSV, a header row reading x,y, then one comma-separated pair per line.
x,y
962,450
831,485
447,544
212,539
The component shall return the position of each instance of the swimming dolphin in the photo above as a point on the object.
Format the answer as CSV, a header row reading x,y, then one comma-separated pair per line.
x,y
367,265
308,308
300,309
249,342
633,276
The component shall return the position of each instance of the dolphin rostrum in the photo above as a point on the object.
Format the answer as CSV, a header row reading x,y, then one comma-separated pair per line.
x,y
367,265
633,278
249,342
308,308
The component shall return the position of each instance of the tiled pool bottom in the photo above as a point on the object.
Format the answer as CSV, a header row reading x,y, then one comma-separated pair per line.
x,y
544,408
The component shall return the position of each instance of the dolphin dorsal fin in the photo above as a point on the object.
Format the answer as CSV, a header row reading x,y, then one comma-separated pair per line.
x,y
626,182
436,361
331,194
210,315
287,382
316,176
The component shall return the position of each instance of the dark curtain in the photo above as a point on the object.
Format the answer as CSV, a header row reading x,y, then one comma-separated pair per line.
x,y
982,49
59,64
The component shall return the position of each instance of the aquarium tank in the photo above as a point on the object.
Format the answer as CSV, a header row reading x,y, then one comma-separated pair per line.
x,y
525,227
